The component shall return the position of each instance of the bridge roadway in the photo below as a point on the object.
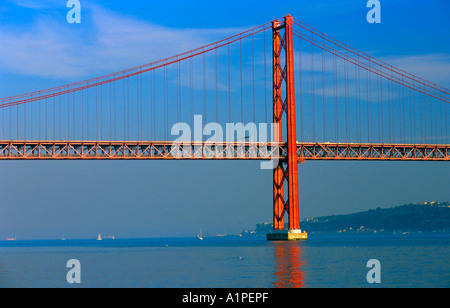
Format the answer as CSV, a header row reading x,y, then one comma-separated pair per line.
x,y
163,150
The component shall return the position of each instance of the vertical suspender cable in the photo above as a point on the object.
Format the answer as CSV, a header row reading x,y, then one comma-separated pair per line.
x,y
346,101
336,107
54,118
300,86
380,107
82,114
60,128
253,81
124,94
229,86
426,120
87,114
240,65
359,103
389,103
217,88
265,79
368,106
74,115
313,117
324,99
204,86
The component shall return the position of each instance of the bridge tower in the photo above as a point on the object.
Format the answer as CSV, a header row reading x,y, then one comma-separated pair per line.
x,y
285,175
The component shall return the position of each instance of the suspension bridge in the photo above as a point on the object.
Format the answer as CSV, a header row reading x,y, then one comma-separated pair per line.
x,y
297,93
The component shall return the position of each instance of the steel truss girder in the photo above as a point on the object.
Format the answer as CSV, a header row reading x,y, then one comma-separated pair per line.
x,y
367,151
73,150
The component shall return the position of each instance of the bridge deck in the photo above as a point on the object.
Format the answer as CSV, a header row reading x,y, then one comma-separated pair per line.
x,y
160,150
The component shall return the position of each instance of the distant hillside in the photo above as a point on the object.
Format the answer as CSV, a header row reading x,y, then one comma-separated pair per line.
x,y
421,217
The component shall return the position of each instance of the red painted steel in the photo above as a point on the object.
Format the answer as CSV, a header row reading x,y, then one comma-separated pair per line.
x,y
279,204
287,169
294,219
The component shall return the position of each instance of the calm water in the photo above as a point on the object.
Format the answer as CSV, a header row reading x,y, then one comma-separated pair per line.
x,y
322,261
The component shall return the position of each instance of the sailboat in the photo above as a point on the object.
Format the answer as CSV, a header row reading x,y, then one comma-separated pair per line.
x,y
200,236
99,238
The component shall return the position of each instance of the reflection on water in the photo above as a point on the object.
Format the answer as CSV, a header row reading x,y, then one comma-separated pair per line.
x,y
288,260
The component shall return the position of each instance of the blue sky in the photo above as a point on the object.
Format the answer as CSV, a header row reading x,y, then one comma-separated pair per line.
x,y
39,49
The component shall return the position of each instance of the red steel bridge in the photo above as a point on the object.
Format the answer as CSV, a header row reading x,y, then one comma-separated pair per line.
x,y
298,93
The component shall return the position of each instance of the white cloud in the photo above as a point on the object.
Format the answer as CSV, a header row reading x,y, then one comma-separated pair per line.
x,y
107,42
41,51
39,5
431,67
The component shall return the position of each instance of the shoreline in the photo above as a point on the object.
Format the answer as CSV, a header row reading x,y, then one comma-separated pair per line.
x,y
188,241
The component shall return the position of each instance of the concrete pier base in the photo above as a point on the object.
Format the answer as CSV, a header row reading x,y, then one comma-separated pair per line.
x,y
287,235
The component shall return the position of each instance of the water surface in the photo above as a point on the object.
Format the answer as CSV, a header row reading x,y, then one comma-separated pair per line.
x,y
322,261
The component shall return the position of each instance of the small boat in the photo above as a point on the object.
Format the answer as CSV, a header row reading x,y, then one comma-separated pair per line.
x,y
11,239
200,236
99,237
